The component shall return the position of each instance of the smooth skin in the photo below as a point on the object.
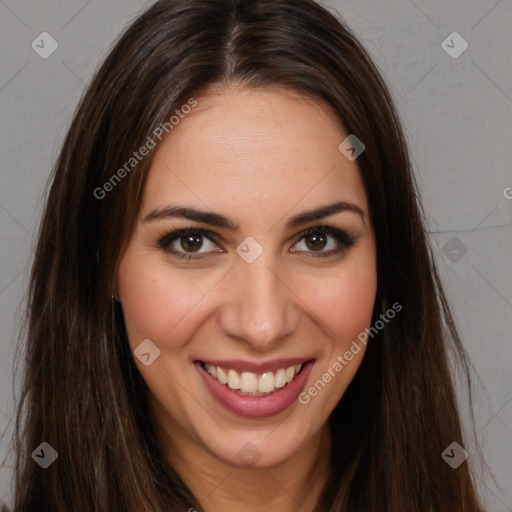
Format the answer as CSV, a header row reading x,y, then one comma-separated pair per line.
x,y
258,158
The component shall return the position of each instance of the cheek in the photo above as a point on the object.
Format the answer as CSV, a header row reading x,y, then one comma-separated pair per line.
x,y
343,306
343,302
155,300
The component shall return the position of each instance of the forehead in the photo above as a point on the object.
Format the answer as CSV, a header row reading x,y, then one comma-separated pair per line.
x,y
241,149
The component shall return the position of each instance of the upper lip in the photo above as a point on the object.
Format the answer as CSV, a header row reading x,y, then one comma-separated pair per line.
x,y
249,366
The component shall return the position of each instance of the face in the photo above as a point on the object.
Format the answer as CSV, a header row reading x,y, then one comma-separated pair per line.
x,y
250,273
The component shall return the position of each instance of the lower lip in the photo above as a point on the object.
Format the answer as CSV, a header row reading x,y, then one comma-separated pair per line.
x,y
256,406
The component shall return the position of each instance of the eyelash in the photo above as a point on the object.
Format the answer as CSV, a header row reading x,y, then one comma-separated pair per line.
x,y
345,241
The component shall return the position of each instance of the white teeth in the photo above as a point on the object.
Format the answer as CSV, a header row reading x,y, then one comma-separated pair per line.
x,y
280,378
222,376
266,382
212,370
252,383
290,373
233,379
248,382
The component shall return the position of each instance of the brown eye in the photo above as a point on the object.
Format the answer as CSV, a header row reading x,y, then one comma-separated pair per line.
x,y
323,241
191,242
316,241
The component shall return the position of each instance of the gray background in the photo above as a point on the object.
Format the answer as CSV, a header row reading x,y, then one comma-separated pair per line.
x,y
457,113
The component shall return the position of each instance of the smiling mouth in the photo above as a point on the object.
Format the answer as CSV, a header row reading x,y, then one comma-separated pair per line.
x,y
254,384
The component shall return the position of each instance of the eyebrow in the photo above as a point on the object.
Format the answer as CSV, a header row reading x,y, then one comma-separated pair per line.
x,y
216,219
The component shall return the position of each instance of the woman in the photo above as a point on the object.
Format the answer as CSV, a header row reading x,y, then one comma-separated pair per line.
x,y
233,305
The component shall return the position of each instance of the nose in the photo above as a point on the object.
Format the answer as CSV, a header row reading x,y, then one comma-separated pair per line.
x,y
261,308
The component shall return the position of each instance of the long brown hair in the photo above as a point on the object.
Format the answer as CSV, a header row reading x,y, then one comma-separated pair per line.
x,y
82,393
